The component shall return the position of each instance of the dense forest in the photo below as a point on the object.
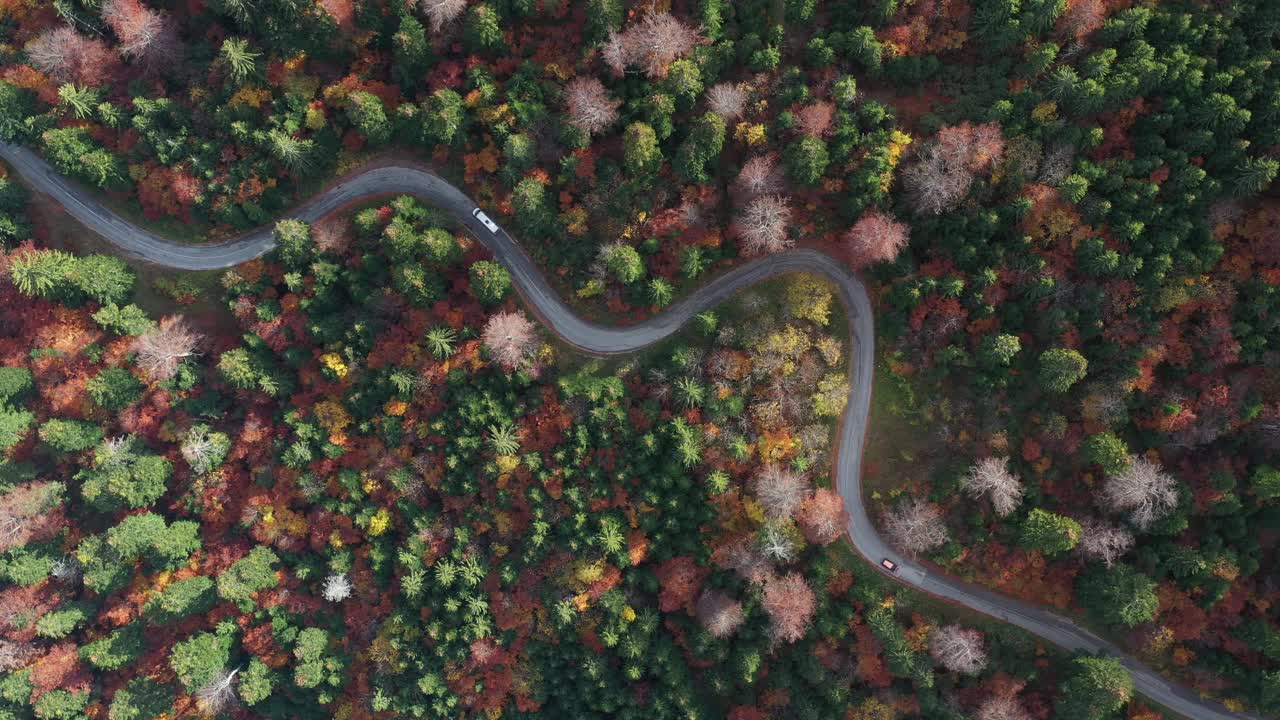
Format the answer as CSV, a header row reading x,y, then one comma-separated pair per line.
x,y
377,488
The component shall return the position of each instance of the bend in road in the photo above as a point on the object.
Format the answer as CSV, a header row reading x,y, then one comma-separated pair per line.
x,y
601,340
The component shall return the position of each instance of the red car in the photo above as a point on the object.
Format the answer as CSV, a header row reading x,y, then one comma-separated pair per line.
x,y
889,565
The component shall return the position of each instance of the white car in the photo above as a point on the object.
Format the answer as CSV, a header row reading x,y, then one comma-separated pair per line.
x,y
484,220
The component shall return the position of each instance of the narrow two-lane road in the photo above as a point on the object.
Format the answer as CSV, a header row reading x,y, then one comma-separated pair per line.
x,y
600,340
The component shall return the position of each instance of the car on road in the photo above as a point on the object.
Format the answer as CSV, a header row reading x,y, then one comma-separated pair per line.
x,y
889,565
484,220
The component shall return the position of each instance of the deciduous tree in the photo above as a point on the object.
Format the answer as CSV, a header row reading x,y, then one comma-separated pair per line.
x,y
511,338
763,225
876,237
991,478
780,490
917,526
720,614
1143,490
822,517
589,106
164,347
958,649
790,603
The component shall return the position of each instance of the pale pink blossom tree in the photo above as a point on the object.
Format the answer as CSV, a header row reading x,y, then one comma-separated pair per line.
x,y
511,338
790,603
162,349
990,478
780,490
728,100
589,106
958,649
917,526
763,225
876,237
719,614
822,517
67,56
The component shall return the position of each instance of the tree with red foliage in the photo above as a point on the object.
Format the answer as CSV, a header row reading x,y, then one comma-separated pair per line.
x,y
145,35
589,105
343,13
876,237
1081,18
680,579
790,603
822,517
67,56
720,614
815,120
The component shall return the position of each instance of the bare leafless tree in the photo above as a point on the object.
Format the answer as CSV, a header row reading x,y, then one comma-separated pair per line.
x,y
780,490
218,694
1105,542
1143,490
337,587
778,542
161,349
511,338
958,649
590,108
935,185
614,53
1002,707
728,100
25,513
145,35
991,478
763,225
917,526
720,614
1056,164
14,655
442,12
67,56
760,176
656,41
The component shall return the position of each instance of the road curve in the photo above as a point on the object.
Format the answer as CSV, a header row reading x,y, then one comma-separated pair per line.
x,y
600,340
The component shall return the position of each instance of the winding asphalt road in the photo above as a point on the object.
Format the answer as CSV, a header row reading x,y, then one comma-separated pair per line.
x,y
600,340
